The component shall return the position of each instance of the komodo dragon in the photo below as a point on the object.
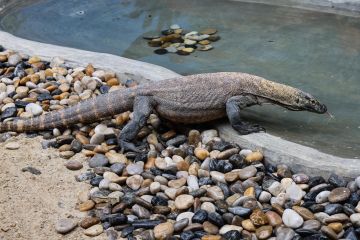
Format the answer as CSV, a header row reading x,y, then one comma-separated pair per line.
x,y
186,99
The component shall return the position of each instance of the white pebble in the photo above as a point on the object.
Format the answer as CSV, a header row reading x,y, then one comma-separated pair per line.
x,y
34,109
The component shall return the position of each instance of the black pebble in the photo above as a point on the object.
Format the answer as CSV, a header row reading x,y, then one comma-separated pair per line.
x,y
21,104
222,145
187,235
237,161
127,231
348,209
232,235
350,234
96,180
216,219
317,208
117,168
354,198
337,181
44,96
305,232
160,51
117,219
159,201
104,89
31,170
76,146
333,208
205,181
200,216
313,181
8,113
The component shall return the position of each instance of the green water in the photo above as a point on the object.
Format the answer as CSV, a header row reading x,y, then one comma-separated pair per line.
x,y
317,52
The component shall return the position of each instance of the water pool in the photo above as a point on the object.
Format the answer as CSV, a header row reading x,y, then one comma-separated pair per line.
x,y
317,52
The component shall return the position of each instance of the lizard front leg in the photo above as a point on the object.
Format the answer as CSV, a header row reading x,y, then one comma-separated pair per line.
x,y
141,111
233,107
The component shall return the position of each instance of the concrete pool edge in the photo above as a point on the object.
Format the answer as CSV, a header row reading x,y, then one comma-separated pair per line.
x,y
276,150
349,8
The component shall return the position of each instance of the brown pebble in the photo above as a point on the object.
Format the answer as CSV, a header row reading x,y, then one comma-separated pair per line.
x,y
336,227
258,218
89,221
89,70
254,157
264,232
248,225
164,230
73,165
210,228
211,237
86,206
305,213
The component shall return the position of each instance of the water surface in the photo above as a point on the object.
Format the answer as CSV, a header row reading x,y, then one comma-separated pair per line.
x,y
317,52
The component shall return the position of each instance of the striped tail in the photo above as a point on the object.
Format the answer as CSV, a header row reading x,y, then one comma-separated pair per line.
x,y
88,111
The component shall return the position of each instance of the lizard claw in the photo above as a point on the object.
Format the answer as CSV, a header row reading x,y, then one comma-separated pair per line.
x,y
127,146
247,128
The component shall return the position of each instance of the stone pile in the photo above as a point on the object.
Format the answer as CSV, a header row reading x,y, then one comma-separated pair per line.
x,y
186,185
176,40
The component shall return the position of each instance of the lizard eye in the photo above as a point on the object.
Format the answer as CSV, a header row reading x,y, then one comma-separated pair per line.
x,y
312,101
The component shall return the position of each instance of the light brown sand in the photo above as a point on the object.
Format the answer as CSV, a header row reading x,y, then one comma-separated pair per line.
x,y
31,204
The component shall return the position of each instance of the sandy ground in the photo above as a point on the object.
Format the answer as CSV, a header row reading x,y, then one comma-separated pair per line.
x,y
31,204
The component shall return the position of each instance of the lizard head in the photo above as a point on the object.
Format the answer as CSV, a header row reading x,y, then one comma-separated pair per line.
x,y
305,102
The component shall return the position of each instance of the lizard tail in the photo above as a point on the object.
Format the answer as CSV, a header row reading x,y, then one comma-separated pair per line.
x,y
87,111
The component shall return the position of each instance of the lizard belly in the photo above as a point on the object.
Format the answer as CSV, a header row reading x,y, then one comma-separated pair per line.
x,y
185,115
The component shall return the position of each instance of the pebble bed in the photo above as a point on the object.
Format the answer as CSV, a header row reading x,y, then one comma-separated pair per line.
x,y
188,184
176,40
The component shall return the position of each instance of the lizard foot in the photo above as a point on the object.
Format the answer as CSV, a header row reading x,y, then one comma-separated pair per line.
x,y
127,146
247,128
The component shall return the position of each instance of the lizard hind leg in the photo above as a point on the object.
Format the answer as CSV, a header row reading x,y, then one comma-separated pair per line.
x,y
141,111
233,107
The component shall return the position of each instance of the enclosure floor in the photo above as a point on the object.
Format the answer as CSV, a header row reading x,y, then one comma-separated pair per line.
x,y
31,204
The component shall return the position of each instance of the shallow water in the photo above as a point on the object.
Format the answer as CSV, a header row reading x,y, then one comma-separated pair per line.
x,y
317,52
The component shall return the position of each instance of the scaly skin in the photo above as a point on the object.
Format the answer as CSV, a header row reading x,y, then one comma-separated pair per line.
x,y
189,99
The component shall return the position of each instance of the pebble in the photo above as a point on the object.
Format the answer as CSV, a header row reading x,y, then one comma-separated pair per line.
x,y
135,168
184,201
99,160
34,109
273,218
94,230
14,59
322,197
65,226
264,232
339,195
228,189
134,182
215,193
89,221
201,153
253,157
292,219
73,165
355,219
164,230
247,172
12,145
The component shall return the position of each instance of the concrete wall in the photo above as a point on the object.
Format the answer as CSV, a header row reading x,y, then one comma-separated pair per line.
x,y
343,7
